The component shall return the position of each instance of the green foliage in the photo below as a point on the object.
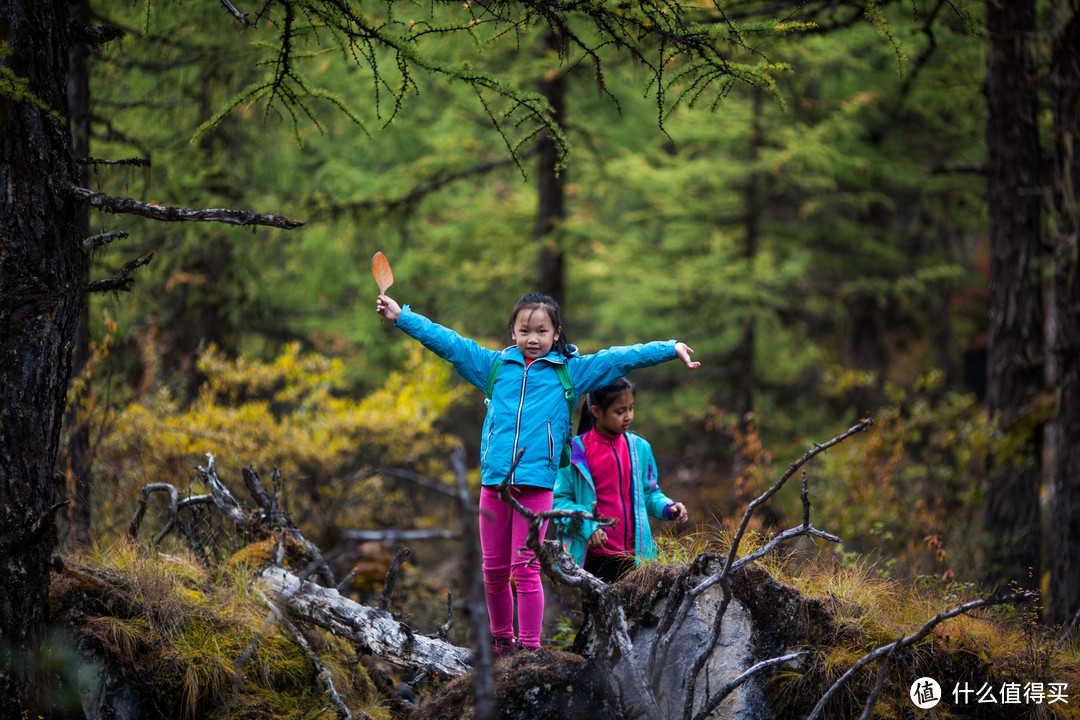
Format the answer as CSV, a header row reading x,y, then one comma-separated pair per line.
x,y
909,490
291,414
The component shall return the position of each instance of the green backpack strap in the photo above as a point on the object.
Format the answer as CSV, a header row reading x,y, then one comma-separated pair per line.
x,y
568,385
491,379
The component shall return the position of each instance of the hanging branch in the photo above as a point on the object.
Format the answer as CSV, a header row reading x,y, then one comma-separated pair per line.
x,y
241,17
174,213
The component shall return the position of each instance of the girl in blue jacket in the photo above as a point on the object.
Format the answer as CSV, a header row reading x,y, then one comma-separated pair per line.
x,y
613,469
528,410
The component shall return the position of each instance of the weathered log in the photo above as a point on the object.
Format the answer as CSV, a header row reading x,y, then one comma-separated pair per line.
x,y
373,630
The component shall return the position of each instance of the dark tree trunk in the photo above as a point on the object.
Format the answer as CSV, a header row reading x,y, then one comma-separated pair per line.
x,y
1015,373
743,399
76,464
41,268
552,206
1064,541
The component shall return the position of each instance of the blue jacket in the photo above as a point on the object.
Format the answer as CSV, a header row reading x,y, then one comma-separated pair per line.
x,y
528,408
576,490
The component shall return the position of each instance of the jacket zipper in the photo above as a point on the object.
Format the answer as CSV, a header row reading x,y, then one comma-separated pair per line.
x,y
517,422
629,531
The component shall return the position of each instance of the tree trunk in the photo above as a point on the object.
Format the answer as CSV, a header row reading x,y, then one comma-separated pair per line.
x,y
743,362
552,209
76,465
1015,333
1064,541
41,266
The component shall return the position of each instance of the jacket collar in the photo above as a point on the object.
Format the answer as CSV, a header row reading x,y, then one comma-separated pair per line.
x,y
513,354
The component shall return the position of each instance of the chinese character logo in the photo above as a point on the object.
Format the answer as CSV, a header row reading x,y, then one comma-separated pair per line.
x,y
925,693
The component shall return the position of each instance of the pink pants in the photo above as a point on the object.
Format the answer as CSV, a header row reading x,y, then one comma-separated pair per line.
x,y
502,537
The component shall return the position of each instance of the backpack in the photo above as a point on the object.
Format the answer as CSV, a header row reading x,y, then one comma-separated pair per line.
x,y
568,389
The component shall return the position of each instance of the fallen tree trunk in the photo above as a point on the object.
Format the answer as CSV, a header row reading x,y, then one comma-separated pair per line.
x,y
373,630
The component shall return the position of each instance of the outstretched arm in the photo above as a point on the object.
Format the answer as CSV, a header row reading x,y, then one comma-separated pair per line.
x,y
684,351
388,308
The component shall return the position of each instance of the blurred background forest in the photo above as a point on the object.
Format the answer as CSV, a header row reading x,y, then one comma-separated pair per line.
x,y
822,244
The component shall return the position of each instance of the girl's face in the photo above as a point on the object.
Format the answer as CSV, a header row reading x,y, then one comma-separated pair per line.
x,y
533,333
616,419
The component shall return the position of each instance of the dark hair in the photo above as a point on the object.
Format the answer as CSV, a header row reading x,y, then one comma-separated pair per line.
x,y
536,301
602,399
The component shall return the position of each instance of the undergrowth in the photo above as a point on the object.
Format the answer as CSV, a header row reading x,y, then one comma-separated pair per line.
x,y
1003,652
199,641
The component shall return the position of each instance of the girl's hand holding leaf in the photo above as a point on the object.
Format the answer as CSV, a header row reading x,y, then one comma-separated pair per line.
x,y
384,278
388,308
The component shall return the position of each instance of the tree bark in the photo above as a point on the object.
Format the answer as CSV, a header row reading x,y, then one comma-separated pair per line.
x,y
41,267
373,630
1064,540
1015,333
76,465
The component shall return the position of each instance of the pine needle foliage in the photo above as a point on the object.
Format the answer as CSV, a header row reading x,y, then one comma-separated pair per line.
x,y
687,47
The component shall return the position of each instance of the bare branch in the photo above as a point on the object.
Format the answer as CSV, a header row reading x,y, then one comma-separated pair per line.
x,y
122,280
389,537
138,162
914,638
174,213
242,18
95,241
321,672
144,499
730,687
400,559
883,675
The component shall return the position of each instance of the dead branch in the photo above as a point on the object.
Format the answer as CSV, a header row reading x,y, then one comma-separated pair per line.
x,y
321,673
730,687
879,684
444,630
391,576
173,517
136,162
122,280
95,241
374,631
174,213
673,621
390,537
255,489
916,637
241,17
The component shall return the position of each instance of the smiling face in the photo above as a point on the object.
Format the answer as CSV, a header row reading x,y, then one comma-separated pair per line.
x,y
616,418
533,332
